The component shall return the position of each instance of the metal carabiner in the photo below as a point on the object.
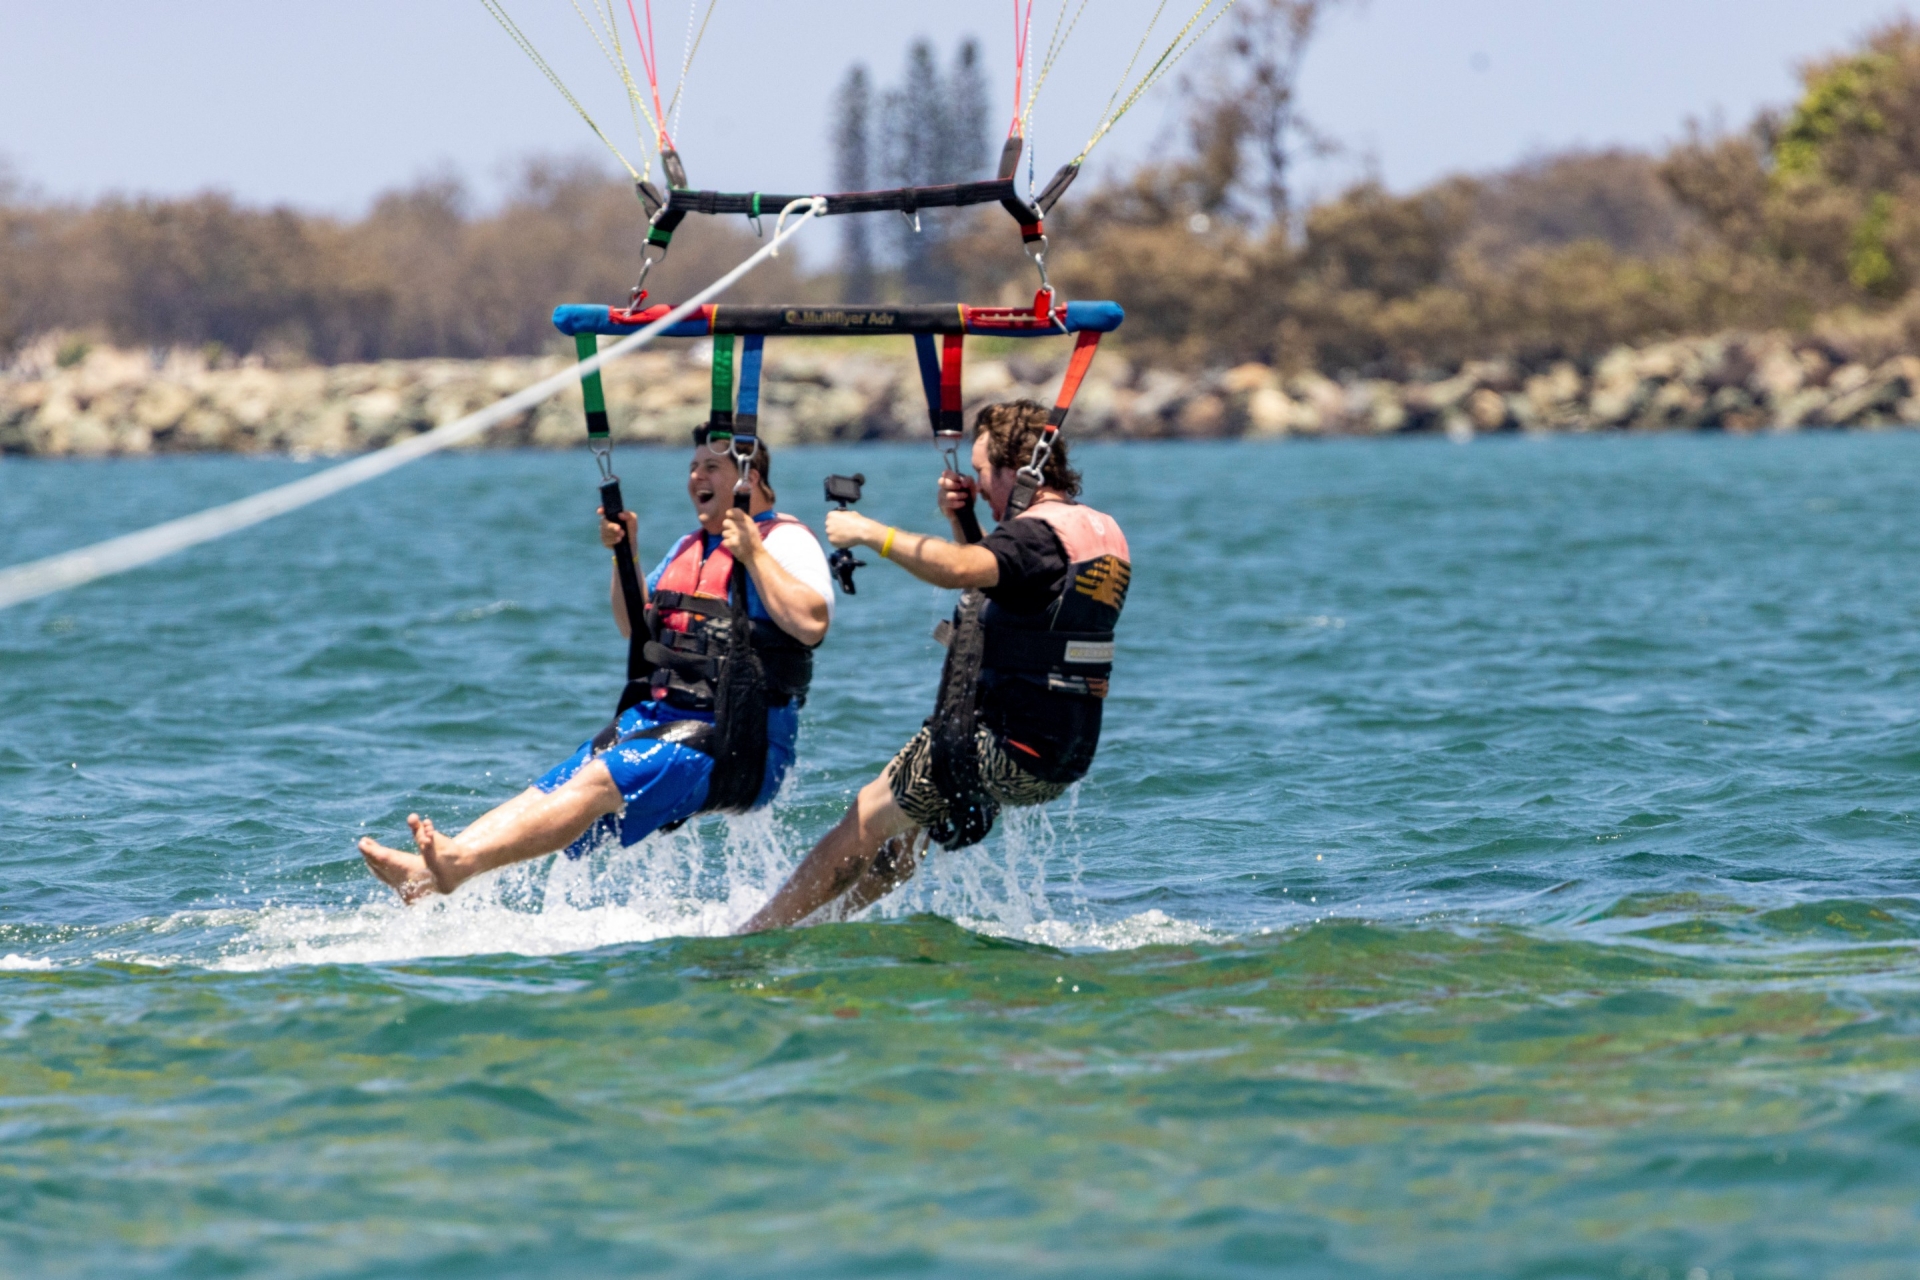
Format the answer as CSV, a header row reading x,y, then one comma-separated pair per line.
x,y
950,451
1036,467
602,457
743,463
1039,256
647,264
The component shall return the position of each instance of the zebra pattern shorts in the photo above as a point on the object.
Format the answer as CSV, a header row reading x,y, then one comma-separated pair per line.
x,y
910,777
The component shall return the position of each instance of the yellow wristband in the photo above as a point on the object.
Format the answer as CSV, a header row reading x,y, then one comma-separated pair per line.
x,y
887,546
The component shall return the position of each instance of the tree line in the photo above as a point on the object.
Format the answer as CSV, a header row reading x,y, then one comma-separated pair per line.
x,y
421,274
1807,219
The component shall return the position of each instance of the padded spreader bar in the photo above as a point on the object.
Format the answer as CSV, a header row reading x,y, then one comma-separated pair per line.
x,y
798,321
908,200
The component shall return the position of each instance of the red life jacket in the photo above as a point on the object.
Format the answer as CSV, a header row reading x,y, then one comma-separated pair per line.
x,y
687,616
1068,647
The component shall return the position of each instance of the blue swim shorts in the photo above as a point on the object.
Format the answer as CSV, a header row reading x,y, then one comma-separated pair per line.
x,y
664,782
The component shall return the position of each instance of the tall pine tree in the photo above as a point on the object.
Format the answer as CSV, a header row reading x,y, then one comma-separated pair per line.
x,y
853,171
934,130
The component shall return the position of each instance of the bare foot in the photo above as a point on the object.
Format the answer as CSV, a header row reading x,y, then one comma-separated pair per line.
x,y
406,873
436,852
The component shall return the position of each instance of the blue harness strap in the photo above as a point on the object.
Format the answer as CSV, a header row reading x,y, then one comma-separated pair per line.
x,y
747,415
929,374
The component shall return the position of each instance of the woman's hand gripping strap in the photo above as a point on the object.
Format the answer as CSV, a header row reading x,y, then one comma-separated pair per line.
x,y
1029,478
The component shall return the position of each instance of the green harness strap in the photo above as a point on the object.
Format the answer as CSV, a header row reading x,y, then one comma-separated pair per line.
x,y
586,346
722,405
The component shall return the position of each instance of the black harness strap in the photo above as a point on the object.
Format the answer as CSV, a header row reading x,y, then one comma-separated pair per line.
x,y
740,701
955,758
599,439
671,601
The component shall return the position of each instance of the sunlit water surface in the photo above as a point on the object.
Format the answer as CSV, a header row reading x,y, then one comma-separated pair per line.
x,y
1500,862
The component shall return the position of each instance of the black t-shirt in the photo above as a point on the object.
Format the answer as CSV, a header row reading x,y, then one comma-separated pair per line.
x,y
1051,734
1033,566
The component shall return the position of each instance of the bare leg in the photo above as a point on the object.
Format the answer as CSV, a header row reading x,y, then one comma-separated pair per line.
x,y
892,867
531,824
842,858
501,813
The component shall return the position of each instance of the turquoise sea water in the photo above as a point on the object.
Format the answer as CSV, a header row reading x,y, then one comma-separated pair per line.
x,y
1500,862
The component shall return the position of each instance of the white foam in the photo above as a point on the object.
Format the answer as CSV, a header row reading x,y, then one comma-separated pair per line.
x,y
1153,928
704,880
1001,887
1002,879
20,962
669,885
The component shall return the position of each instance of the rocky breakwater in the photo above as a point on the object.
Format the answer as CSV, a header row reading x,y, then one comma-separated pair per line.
x,y
1729,382
63,399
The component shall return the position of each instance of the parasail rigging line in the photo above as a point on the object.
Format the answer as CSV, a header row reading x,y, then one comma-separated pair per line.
x,y
678,102
1172,54
1055,43
1022,35
650,63
22,582
519,37
606,36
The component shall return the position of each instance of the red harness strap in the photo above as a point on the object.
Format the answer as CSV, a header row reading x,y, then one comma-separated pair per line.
x,y
1084,348
1028,480
950,383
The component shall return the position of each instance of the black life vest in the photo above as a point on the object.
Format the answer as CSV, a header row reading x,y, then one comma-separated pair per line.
x,y
1067,647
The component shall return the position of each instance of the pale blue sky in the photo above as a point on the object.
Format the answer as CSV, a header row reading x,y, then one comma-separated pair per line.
x,y
325,104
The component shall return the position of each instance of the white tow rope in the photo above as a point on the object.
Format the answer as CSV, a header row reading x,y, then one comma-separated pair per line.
x,y
37,578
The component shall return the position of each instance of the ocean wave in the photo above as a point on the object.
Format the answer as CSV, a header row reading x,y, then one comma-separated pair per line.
x,y
1154,928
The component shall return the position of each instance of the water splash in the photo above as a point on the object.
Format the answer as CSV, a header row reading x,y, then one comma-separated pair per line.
x,y
1002,880
702,880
